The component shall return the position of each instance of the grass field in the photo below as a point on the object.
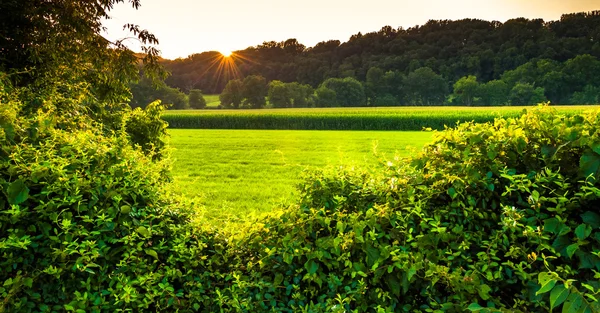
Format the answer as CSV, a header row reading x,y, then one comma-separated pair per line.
x,y
212,101
389,118
241,171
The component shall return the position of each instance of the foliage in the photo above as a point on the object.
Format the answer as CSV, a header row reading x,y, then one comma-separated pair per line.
x,y
496,217
288,95
465,90
589,95
86,222
526,94
348,91
232,95
196,99
325,97
47,43
559,56
425,87
279,94
145,92
493,93
254,91
146,129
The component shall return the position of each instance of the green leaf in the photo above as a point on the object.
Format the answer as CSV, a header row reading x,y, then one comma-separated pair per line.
x,y
573,304
548,151
372,255
475,307
143,231
558,295
484,291
571,249
17,192
311,266
125,209
589,164
151,253
452,192
28,282
591,219
583,231
546,286
278,280
552,225
394,284
595,147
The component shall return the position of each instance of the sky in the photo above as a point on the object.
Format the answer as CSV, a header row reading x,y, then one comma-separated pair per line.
x,y
185,27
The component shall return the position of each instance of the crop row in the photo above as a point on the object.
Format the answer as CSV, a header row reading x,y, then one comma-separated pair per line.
x,y
311,122
341,119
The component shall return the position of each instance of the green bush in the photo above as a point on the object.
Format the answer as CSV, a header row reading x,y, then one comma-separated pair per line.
x,y
88,225
495,217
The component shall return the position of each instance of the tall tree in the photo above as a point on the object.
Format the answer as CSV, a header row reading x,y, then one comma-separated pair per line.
x,y
232,95
60,40
196,99
254,91
425,87
349,91
465,89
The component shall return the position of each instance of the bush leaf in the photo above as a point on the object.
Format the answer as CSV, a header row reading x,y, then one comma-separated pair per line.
x,y
583,231
589,164
591,219
17,192
573,304
558,295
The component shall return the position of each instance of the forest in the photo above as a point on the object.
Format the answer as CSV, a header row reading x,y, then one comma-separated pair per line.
x,y
463,62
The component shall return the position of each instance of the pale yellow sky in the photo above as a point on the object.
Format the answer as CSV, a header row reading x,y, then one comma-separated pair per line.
x,y
184,27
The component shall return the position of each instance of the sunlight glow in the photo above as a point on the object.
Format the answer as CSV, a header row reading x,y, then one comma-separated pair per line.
x,y
226,53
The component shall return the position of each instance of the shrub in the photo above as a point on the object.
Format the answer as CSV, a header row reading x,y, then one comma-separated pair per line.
x,y
196,99
495,217
87,223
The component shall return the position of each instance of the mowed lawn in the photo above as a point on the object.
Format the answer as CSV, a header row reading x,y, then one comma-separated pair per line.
x,y
236,172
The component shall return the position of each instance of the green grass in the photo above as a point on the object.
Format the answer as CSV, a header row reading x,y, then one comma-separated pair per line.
x,y
394,118
236,172
212,101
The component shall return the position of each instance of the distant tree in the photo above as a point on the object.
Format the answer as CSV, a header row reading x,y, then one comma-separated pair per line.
x,y
526,94
589,95
493,93
255,91
581,71
196,99
465,90
325,97
385,100
279,95
300,94
375,85
349,91
232,95
394,85
425,87
145,92
292,46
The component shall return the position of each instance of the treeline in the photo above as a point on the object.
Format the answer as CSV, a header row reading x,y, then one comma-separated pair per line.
x,y
145,91
572,82
450,50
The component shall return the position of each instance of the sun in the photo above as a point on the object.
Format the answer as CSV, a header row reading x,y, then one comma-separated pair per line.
x,y
226,53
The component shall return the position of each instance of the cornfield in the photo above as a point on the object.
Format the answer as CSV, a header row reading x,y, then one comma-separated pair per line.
x,y
402,118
